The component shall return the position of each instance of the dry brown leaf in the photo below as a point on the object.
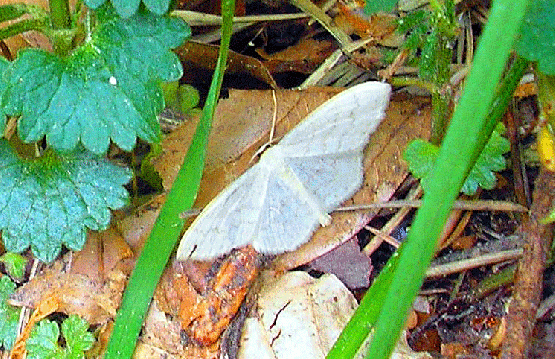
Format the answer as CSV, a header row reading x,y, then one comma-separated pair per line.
x,y
101,253
135,227
352,20
304,57
92,300
195,56
241,126
348,263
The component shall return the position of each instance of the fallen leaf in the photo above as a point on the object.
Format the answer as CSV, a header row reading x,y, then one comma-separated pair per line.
x,y
101,253
94,301
304,57
298,317
195,56
348,263
241,126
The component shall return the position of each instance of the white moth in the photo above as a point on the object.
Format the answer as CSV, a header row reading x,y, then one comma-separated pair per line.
x,y
277,204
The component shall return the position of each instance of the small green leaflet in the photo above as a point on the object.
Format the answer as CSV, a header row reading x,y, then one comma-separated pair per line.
x,y
537,35
107,89
126,8
51,201
43,341
421,156
9,315
15,264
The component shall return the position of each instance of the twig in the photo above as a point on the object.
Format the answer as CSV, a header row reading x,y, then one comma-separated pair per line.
x,y
194,18
466,264
477,205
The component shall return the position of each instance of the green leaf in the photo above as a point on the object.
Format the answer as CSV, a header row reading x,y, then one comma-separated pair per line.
x,y
78,338
15,264
43,341
108,89
157,6
9,315
421,157
431,32
127,8
50,201
537,35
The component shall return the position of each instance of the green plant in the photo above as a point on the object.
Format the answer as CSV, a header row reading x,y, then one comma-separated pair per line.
x,y
537,44
429,36
101,85
384,307
43,342
421,156
9,315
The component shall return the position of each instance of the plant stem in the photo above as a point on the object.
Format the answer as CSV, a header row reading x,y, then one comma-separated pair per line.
x,y
59,14
62,34
440,117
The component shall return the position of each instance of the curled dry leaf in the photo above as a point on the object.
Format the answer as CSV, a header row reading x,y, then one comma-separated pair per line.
x,y
195,56
303,57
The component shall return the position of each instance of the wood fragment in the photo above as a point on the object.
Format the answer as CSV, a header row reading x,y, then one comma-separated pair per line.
x,y
537,237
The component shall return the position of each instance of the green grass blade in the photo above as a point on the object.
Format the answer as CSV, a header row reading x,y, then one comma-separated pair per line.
x,y
463,142
168,226
389,299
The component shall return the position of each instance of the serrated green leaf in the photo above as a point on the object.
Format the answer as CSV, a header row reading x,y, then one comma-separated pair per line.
x,y
9,315
108,89
537,35
4,65
93,4
43,341
51,201
78,338
421,156
157,6
127,8
490,160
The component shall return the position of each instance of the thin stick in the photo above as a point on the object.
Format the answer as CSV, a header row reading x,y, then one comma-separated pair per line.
x,y
466,264
478,205
194,18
